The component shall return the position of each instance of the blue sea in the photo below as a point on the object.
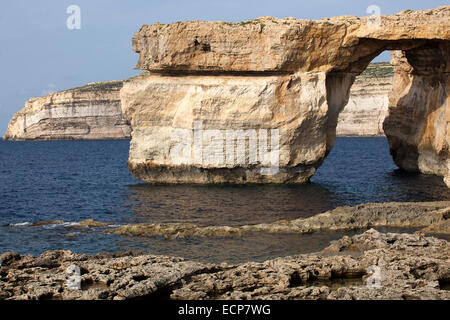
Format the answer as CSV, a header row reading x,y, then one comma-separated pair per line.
x,y
78,180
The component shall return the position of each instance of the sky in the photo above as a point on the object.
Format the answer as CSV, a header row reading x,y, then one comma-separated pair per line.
x,y
39,54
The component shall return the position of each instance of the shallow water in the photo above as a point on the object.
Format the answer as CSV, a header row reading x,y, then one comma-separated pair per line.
x,y
77,180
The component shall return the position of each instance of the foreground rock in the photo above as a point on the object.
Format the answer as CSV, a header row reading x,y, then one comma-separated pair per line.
x,y
103,276
224,102
89,112
396,266
410,267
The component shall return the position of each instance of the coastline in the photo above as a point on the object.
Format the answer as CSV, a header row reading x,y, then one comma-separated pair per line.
x,y
412,266
230,184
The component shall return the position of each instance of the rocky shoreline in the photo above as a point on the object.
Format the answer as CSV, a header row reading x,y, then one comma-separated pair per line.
x,y
207,88
371,265
426,217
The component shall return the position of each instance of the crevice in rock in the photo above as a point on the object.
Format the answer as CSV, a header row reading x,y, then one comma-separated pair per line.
x,y
335,281
444,284
165,292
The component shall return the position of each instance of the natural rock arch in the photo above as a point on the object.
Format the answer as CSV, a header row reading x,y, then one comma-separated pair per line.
x,y
289,75
416,127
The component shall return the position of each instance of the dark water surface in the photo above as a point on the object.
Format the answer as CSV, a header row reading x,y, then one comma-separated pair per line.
x,y
77,180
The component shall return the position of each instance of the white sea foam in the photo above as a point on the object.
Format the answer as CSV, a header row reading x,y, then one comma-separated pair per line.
x,y
20,224
62,224
113,225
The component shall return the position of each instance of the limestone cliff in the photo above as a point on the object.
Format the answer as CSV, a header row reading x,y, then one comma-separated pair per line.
x,y
367,106
419,110
97,119
89,112
259,101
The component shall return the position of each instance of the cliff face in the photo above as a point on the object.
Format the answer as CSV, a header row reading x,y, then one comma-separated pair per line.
x,y
94,111
419,110
207,128
259,101
266,44
89,112
368,104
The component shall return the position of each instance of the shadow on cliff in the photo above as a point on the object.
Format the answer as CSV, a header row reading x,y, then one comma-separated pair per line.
x,y
412,123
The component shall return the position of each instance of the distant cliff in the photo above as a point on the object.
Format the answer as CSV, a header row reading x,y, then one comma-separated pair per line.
x,y
94,111
368,103
89,112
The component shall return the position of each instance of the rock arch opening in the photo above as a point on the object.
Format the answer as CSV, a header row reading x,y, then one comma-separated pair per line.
x,y
417,122
367,107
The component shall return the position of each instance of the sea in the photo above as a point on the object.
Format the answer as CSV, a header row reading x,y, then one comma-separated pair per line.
x,y
48,187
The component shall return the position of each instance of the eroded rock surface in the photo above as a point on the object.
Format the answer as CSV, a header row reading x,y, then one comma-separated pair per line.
x,y
196,128
266,44
208,79
104,276
410,267
81,116
406,267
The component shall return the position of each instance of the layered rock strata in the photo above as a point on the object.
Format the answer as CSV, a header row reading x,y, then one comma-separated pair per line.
x,y
368,103
258,101
363,115
367,266
89,112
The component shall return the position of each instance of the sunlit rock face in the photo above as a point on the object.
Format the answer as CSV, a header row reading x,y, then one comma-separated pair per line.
x,y
94,112
226,129
89,112
259,101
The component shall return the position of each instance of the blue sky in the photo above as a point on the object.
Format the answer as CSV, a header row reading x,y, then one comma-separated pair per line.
x,y
39,54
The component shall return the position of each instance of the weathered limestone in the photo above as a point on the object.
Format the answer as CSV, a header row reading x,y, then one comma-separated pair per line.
x,y
363,115
283,76
419,110
368,104
267,44
162,111
89,112
367,266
